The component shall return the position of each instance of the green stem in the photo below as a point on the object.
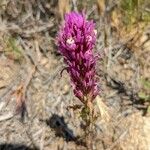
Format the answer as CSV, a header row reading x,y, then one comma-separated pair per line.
x,y
87,116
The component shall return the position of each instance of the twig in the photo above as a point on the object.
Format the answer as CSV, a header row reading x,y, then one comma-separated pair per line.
x,y
9,88
28,55
52,77
29,78
37,51
103,109
75,5
24,32
91,10
6,117
43,129
31,139
109,53
118,140
2,104
118,54
42,139
20,93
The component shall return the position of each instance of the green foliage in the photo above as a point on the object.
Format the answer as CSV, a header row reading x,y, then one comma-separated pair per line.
x,y
144,96
148,109
134,11
146,87
12,49
85,113
145,83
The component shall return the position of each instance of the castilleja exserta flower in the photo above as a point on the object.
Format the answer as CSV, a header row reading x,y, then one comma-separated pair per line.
x,y
76,40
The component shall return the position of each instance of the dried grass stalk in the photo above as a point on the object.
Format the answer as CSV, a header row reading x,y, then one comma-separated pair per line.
x,y
101,6
63,7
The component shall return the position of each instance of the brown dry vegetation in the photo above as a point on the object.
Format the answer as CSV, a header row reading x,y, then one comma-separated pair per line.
x,y
34,98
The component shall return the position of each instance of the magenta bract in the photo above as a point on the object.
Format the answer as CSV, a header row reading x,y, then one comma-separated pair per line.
x,y
76,40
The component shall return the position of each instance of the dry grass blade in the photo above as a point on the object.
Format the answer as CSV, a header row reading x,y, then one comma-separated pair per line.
x,y
118,140
20,98
2,104
20,93
6,116
101,6
14,28
104,111
63,7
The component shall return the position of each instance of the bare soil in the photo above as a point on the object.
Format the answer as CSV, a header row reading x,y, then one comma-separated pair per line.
x,y
30,75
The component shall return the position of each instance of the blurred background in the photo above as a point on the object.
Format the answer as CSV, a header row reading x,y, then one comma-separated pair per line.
x,y
34,98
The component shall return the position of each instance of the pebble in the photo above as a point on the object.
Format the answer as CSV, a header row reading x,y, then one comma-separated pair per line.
x,y
44,61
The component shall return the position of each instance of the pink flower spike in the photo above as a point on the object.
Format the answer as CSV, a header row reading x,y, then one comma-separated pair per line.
x,y
76,40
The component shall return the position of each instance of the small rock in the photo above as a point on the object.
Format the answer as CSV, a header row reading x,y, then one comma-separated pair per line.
x,y
44,61
143,38
147,45
65,89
